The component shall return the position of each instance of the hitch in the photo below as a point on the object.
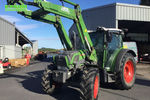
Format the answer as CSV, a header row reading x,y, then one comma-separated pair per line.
x,y
61,76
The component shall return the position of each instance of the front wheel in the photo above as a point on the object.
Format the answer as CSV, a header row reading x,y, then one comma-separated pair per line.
x,y
126,76
48,84
90,84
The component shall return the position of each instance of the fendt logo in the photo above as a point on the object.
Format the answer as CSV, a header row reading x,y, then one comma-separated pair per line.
x,y
65,9
15,7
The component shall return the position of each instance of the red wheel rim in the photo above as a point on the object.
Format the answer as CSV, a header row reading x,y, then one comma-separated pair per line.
x,y
128,71
96,85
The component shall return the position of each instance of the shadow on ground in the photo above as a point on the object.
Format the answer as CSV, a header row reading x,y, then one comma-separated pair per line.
x,y
68,92
32,82
144,62
143,82
112,86
139,81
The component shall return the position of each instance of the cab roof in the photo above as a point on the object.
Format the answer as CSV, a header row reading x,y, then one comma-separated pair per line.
x,y
111,30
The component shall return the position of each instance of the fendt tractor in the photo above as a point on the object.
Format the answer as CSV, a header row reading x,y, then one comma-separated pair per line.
x,y
100,57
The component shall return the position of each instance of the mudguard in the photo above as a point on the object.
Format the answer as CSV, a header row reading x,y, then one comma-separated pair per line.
x,y
120,57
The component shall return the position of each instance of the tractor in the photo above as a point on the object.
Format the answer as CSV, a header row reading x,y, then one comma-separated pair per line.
x,y
98,58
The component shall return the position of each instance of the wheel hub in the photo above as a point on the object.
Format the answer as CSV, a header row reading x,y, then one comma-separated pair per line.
x,y
128,71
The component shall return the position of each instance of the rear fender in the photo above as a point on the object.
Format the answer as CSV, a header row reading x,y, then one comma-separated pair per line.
x,y
120,56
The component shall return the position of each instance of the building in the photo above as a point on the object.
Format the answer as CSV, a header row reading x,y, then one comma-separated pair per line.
x,y
135,18
35,47
11,40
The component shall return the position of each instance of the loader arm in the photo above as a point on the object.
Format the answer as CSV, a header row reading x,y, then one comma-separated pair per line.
x,y
46,8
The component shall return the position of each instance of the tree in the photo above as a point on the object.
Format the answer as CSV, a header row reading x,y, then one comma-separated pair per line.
x,y
47,50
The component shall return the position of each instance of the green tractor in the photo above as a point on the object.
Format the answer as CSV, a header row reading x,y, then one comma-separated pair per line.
x,y
117,64
99,58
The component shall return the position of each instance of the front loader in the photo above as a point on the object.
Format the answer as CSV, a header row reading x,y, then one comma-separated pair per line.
x,y
87,65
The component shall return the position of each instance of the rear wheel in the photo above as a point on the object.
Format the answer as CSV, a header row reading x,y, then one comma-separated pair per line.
x,y
49,86
90,84
126,76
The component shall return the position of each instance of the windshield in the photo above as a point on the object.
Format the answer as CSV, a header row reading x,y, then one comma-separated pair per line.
x,y
97,39
98,43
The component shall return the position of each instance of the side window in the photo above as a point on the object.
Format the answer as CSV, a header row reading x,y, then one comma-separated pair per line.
x,y
115,43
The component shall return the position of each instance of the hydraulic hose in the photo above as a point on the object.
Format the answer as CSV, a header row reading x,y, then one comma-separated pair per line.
x,y
29,3
10,2
69,2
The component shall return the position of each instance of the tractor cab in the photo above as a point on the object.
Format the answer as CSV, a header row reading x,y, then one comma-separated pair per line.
x,y
107,42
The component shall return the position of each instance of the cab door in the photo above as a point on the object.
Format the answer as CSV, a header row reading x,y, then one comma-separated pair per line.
x,y
98,43
113,49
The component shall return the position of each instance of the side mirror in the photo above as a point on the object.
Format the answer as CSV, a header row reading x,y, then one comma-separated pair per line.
x,y
125,30
108,37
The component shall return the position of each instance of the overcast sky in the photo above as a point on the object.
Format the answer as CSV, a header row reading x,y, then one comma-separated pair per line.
x,y
46,33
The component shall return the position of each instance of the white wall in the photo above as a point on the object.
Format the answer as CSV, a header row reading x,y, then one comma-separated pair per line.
x,y
11,52
1,52
35,47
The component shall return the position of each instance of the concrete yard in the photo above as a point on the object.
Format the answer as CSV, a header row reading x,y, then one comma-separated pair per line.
x,y
24,84
143,69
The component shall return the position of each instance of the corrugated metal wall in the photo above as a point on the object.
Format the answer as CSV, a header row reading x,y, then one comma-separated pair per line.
x,y
132,12
8,46
10,51
7,33
100,16
109,15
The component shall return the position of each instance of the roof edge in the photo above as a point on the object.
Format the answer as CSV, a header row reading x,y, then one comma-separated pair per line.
x,y
117,4
132,5
23,35
103,6
6,21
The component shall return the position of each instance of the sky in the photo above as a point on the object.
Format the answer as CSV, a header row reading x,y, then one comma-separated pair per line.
x,y
45,33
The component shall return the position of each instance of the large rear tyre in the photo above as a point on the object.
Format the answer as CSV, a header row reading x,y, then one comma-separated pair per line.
x,y
49,86
126,77
90,84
